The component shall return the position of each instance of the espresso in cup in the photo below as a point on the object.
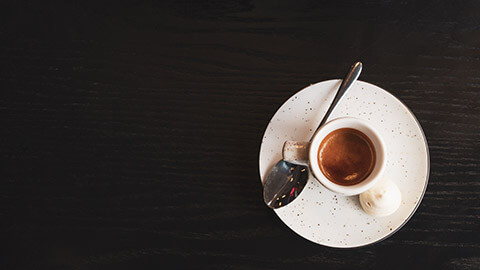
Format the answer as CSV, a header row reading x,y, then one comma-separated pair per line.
x,y
346,156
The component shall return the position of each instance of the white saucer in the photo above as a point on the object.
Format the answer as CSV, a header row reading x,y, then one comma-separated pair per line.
x,y
330,219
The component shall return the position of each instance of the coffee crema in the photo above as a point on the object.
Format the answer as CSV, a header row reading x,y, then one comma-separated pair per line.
x,y
346,156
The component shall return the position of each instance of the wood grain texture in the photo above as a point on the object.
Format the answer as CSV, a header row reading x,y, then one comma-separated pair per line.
x,y
131,131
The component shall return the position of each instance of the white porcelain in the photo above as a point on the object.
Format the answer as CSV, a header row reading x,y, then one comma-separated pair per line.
x,y
334,124
326,217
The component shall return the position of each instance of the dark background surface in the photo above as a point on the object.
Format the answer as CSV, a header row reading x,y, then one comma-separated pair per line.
x,y
130,132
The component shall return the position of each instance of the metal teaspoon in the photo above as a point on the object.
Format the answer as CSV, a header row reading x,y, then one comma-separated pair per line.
x,y
286,180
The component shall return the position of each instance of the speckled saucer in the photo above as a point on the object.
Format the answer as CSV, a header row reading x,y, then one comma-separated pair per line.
x,y
330,219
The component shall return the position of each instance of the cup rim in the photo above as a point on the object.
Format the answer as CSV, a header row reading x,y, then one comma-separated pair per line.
x,y
373,135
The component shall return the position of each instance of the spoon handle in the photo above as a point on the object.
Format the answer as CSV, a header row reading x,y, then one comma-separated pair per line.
x,y
350,78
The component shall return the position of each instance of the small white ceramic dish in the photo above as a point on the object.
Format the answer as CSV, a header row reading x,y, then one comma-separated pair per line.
x,y
331,219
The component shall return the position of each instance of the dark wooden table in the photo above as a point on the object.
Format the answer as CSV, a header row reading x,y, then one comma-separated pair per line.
x,y
130,132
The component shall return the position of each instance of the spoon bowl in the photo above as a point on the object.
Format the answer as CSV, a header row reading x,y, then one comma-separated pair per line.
x,y
285,181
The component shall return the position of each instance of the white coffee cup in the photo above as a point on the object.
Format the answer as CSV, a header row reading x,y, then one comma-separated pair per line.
x,y
307,153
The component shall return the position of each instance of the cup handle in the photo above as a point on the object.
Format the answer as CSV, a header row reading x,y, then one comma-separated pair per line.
x,y
296,152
